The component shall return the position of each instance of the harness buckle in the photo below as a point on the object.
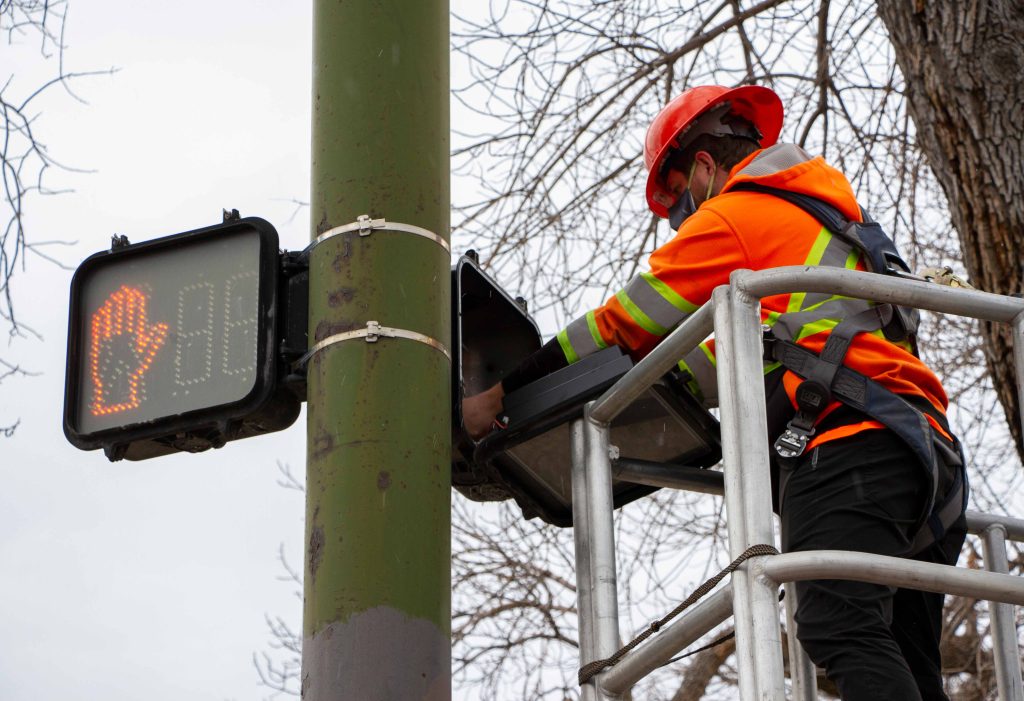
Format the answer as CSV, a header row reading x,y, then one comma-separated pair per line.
x,y
793,441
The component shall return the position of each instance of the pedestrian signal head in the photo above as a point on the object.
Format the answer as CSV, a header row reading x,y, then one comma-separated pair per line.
x,y
172,343
707,109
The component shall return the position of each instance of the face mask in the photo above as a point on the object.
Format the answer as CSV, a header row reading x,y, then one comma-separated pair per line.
x,y
681,210
685,206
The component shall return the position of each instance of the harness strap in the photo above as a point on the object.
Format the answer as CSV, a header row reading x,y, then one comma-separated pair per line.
x,y
815,392
948,510
867,236
871,398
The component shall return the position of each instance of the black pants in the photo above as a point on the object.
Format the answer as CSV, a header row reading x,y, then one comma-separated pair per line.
x,y
866,493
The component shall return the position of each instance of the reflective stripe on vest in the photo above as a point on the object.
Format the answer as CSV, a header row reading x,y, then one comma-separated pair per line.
x,y
650,303
806,314
701,366
775,159
581,338
653,305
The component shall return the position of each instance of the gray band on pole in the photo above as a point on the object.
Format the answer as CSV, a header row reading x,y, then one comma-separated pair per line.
x,y
366,226
372,333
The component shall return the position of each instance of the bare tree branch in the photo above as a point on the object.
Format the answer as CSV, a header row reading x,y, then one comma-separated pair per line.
x,y
25,161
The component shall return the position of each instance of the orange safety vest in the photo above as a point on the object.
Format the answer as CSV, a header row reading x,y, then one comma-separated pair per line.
x,y
741,229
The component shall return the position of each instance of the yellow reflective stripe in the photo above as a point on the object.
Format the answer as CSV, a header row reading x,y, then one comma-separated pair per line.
x,y
691,383
669,295
594,332
700,363
816,327
770,321
567,349
708,353
579,337
829,324
823,302
637,314
658,309
796,299
818,249
851,264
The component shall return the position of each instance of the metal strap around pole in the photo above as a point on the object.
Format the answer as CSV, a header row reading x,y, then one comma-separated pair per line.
x,y
366,226
372,333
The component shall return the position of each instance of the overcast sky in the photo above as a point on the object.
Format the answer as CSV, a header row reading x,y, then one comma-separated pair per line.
x,y
150,579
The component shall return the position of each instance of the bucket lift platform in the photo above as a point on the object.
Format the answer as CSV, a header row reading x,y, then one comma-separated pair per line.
x,y
514,464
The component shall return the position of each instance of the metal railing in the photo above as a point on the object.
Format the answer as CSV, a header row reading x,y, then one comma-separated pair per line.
x,y
752,593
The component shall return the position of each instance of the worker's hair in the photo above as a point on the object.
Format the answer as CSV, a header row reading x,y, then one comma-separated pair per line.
x,y
726,151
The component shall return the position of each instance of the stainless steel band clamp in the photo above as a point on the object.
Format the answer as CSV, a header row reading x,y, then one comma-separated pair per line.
x,y
366,226
372,333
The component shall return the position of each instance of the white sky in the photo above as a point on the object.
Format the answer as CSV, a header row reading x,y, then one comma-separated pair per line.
x,y
150,580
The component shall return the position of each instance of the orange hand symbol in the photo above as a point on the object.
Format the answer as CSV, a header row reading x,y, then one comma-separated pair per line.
x,y
122,348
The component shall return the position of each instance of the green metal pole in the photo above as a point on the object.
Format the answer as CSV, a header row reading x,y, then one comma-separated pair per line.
x,y
377,608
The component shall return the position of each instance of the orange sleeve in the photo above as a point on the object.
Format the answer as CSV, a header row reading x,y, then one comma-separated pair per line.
x,y
683,272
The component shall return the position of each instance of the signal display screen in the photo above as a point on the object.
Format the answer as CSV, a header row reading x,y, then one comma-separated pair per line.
x,y
168,331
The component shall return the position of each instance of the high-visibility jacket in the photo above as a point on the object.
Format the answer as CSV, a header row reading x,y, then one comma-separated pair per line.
x,y
742,229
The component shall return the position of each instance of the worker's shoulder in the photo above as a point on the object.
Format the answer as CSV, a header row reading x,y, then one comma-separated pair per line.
x,y
781,160
783,168
787,167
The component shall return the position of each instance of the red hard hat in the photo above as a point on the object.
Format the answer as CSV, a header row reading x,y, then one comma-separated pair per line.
x,y
758,105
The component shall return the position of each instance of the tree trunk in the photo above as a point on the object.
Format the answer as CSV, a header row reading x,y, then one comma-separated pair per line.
x,y
964,68
704,667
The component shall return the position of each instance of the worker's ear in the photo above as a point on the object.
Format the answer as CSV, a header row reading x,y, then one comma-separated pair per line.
x,y
721,178
705,162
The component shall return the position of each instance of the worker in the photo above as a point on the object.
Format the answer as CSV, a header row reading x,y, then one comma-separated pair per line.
x,y
874,468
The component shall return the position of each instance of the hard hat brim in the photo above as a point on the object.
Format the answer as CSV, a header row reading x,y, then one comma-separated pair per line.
x,y
757,104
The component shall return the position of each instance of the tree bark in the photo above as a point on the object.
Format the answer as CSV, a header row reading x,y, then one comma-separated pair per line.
x,y
964,68
704,667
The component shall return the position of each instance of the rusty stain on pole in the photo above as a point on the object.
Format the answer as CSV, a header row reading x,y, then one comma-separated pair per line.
x,y
377,607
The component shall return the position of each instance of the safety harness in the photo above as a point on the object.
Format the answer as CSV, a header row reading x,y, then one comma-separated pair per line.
x,y
826,378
